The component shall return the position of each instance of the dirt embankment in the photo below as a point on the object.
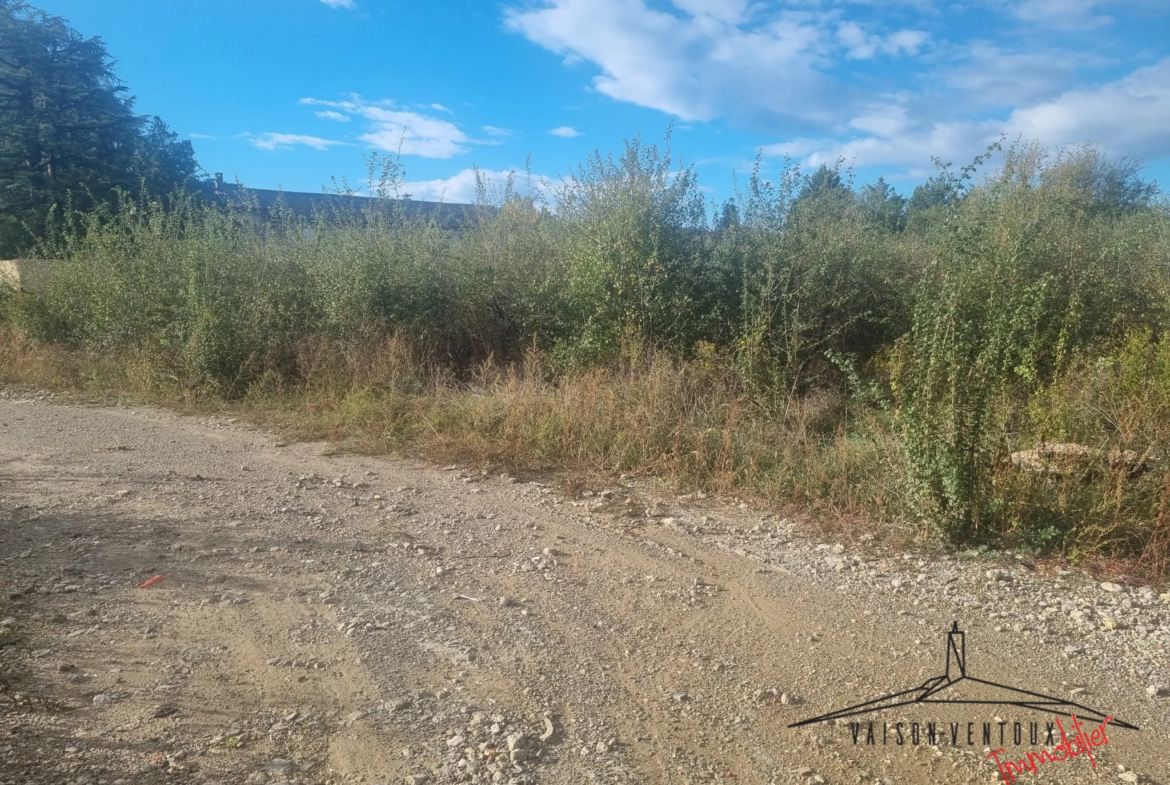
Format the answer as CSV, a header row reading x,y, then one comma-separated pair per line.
x,y
346,619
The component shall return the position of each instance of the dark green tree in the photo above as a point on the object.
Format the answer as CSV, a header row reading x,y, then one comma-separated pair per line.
x,y
937,191
884,205
825,181
823,194
68,130
728,217
945,189
162,160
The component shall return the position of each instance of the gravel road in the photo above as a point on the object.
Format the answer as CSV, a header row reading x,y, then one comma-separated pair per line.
x,y
335,618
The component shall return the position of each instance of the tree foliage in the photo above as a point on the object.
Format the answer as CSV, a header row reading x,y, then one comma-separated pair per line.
x,y
68,131
884,205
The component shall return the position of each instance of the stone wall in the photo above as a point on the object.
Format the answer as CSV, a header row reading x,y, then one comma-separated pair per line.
x,y
27,275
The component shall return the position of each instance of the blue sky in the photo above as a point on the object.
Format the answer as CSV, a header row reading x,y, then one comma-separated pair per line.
x,y
287,93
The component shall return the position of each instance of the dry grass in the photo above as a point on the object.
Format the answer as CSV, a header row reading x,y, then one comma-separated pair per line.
x,y
687,423
92,374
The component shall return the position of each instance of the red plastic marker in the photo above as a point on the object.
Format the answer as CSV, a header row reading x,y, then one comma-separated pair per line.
x,y
151,582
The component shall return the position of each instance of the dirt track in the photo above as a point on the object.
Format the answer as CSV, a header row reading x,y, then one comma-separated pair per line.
x,y
338,618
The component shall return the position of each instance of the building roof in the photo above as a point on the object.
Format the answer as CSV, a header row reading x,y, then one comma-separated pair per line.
x,y
304,204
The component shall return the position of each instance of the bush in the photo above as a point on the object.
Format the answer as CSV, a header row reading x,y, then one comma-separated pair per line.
x,y
854,353
817,276
1028,276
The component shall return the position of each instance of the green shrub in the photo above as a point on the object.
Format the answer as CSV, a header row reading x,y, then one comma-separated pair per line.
x,y
857,353
1028,275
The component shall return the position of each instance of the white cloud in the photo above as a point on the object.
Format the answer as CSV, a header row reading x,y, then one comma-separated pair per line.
x,y
697,67
853,38
785,69
440,108
904,41
1067,14
566,131
704,59
458,188
461,187
863,46
993,77
339,3
274,141
929,7
495,131
1058,14
329,114
391,129
882,120
912,149
1129,114
732,12
201,136
413,133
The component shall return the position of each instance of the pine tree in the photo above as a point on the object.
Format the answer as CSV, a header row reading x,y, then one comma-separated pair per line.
x,y
67,127
884,205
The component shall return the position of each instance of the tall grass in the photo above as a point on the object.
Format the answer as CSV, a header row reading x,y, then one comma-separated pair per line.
x,y
814,346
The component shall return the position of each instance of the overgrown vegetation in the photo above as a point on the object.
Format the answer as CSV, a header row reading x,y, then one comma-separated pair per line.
x,y
838,348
